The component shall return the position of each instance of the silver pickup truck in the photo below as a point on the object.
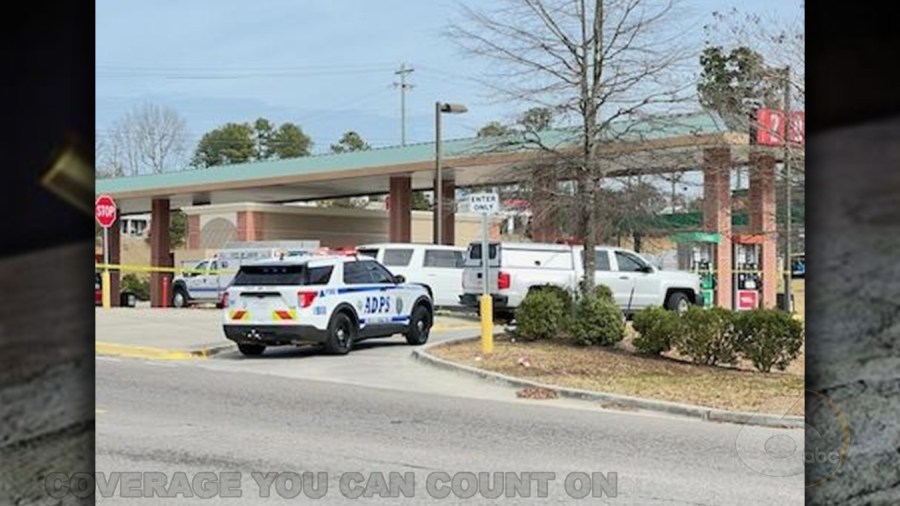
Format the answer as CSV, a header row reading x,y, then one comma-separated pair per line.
x,y
516,268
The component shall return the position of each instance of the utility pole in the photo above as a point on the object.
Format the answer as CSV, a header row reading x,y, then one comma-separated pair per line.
x,y
788,306
403,85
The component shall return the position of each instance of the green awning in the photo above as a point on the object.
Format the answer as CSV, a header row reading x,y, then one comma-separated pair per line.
x,y
706,237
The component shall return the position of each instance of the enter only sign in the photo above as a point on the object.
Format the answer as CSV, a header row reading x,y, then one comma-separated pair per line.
x,y
485,203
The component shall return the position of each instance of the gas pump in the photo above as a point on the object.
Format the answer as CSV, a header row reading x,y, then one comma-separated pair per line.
x,y
697,253
747,265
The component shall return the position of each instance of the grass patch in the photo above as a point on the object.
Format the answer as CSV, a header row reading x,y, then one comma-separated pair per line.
x,y
619,371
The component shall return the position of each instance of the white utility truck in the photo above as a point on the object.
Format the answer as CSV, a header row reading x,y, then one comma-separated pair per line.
x,y
206,281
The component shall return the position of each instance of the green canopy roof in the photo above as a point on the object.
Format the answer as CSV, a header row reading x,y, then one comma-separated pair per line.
x,y
708,237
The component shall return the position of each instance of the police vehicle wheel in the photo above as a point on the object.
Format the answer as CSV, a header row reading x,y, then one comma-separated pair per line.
x,y
179,298
341,332
678,302
251,350
419,326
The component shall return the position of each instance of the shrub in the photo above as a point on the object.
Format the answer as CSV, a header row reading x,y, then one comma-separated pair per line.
x,y
564,295
541,315
657,328
706,336
140,287
768,337
597,321
604,292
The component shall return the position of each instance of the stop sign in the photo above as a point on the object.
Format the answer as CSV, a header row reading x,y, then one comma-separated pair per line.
x,y
105,211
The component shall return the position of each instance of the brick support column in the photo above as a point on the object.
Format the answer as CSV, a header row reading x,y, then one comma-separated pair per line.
x,y
543,216
762,221
115,257
495,230
160,251
448,225
449,191
400,212
193,231
717,217
249,226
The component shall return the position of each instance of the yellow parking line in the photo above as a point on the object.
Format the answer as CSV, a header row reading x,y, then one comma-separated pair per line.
x,y
129,351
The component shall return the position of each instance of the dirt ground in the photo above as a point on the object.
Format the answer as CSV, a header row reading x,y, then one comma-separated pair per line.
x,y
618,370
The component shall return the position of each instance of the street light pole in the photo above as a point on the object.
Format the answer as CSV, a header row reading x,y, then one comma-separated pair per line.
x,y
788,305
440,108
438,178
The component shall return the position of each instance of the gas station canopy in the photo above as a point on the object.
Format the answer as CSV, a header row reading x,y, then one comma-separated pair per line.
x,y
657,144
701,237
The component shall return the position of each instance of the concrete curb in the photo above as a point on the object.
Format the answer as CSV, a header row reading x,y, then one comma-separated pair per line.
x,y
613,400
147,352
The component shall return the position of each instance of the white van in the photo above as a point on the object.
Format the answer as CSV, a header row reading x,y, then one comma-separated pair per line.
x,y
437,267
516,268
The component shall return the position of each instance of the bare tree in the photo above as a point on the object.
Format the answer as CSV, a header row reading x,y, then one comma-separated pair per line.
x,y
597,65
149,139
108,157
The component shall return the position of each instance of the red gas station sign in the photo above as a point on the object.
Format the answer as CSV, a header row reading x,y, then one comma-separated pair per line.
x,y
747,299
770,127
797,128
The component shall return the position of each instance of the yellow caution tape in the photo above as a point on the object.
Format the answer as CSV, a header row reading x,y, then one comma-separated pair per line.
x,y
147,268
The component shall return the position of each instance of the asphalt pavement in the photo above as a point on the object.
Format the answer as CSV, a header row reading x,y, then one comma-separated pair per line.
x,y
378,411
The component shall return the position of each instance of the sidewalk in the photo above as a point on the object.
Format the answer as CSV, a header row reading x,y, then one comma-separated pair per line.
x,y
183,334
174,334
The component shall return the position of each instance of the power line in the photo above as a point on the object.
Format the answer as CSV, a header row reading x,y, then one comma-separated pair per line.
x,y
220,68
336,109
242,75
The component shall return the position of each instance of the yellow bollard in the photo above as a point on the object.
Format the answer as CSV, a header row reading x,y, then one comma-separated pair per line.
x,y
487,325
106,289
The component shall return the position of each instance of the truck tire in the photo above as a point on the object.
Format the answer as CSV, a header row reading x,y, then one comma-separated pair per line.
x,y
504,315
678,302
341,333
500,315
419,325
251,350
180,297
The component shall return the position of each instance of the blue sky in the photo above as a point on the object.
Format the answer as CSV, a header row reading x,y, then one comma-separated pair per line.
x,y
326,65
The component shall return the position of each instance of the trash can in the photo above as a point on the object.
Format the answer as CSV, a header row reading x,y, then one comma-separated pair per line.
x,y
779,300
128,300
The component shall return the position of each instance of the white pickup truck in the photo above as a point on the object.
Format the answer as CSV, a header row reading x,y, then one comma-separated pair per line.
x,y
516,268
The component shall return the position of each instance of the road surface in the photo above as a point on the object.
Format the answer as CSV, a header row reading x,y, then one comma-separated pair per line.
x,y
378,411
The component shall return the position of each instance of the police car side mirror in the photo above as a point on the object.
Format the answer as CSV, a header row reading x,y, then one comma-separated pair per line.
x,y
399,279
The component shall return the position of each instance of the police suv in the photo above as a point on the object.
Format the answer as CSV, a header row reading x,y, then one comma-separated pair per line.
x,y
333,301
